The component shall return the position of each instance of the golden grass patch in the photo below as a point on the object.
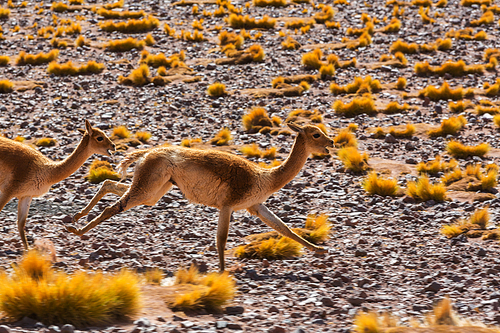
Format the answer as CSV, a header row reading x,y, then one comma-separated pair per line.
x,y
326,14
6,86
124,45
91,67
138,76
209,292
458,150
36,291
466,34
373,184
450,126
455,69
153,276
45,142
143,136
99,171
358,86
246,22
345,138
444,92
256,119
36,59
436,166
111,14
155,61
423,190
131,26
353,160
222,138
358,105
270,3
4,60
217,89
188,143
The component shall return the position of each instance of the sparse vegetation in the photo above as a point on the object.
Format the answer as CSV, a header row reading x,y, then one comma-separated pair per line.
x,y
450,126
45,142
99,171
246,22
436,166
345,138
423,190
131,26
38,59
358,105
442,93
380,186
69,68
6,86
358,86
217,89
256,119
222,138
456,69
353,160
51,297
124,45
458,150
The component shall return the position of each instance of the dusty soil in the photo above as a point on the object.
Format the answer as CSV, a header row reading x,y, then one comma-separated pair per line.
x,y
384,254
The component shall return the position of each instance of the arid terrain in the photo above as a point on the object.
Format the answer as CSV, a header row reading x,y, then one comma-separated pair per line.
x,y
385,254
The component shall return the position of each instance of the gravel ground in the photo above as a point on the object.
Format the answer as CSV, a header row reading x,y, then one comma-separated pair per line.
x,y
384,254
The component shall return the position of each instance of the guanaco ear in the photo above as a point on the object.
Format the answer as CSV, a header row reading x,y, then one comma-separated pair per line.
x,y
294,127
88,127
81,130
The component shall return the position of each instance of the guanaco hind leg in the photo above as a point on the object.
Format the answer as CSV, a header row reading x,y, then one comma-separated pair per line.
x,y
22,214
109,186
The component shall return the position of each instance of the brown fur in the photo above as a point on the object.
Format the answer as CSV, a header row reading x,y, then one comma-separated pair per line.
x,y
25,173
213,178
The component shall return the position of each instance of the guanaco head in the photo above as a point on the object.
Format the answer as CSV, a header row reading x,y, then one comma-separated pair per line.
x,y
99,142
316,140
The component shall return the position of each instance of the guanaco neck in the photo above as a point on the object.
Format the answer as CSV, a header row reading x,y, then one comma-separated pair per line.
x,y
284,173
63,169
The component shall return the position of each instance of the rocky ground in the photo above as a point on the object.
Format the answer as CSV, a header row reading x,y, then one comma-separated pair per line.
x,y
384,254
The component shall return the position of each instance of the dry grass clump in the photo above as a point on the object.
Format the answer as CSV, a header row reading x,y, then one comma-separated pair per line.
x,y
114,5
4,13
272,245
121,132
364,40
6,86
313,59
442,93
358,86
423,190
270,3
154,276
226,38
455,69
436,166
4,60
222,138
196,292
492,90
460,106
403,47
290,44
111,14
188,143
480,109
458,150
424,14
466,34
45,142
353,160
197,36
155,61
496,120
68,68
217,89
256,119
326,14
124,45
314,116
299,23
36,291
380,186
99,171
138,76
143,136
393,26
394,107
254,151
449,126
478,220
345,138
469,3
36,59
487,18
357,106
131,26
247,22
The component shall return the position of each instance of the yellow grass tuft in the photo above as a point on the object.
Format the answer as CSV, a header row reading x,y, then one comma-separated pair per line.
x,y
6,86
422,190
208,292
113,5
53,297
226,38
366,323
131,26
405,133
4,60
197,36
217,89
353,160
358,86
4,13
99,171
381,186
68,68
254,151
487,18
345,138
138,76
358,105
155,61
460,106
246,22
326,14
401,83
270,3
442,93
59,7
124,45
312,60
143,136
271,248
401,46
35,266
154,276
466,34
222,138
45,142
255,119
395,107
111,14
437,165
456,149
190,142
290,44
121,132
449,126
38,59
480,218
456,69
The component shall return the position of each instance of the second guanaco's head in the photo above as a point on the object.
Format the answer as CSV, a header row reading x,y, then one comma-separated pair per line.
x,y
316,140
99,142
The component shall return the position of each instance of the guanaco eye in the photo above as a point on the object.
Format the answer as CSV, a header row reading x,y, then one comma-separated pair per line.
x,y
316,136
100,138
